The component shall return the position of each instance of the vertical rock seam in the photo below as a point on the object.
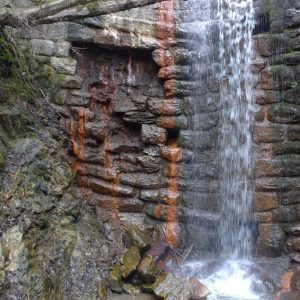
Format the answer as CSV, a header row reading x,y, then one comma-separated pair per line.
x,y
164,57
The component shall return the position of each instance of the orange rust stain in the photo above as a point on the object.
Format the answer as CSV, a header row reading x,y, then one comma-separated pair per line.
x,y
82,132
168,122
172,229
172,154
165,31
286,280
165,28
75,146
79,147
285,284
173,172
108,163
158,211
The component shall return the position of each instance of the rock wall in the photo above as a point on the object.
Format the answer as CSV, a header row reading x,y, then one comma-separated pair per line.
x,y
276,131
113,129
125,87
107,92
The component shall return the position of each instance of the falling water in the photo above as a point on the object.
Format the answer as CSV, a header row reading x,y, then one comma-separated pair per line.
x,y
236,26
228,272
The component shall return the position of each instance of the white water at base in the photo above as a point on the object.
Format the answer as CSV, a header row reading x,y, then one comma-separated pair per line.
x,y
231,280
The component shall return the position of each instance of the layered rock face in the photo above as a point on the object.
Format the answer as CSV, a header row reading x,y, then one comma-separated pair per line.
x,y
276,128
125,87
123,125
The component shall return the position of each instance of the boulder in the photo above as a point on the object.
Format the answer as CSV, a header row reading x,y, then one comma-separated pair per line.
x,y
288,213
138,237
286,148
152,150
132,290
130,261
148,268
129,205
168,286
200,291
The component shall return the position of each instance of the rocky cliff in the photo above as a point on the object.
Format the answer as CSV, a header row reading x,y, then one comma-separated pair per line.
x,y
112,137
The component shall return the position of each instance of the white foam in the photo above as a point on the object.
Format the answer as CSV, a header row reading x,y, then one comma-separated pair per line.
x,y
232,280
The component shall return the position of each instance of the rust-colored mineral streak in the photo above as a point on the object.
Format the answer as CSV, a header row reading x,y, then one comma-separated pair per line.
x,y
285,284
166,33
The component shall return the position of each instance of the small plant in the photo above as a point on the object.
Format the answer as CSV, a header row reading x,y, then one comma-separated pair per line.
x,y
17,82
294,85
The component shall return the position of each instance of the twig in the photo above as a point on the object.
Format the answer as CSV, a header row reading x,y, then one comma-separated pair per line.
x,y
76,50
186,254
44,96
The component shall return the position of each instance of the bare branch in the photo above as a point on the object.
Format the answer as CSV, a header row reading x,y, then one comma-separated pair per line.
x,y
40,12
61,10
97,8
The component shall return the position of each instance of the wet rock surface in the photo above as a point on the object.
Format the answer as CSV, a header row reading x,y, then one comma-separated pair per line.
x,y
274,92
53,244
153,271
130,261
171,287
130,131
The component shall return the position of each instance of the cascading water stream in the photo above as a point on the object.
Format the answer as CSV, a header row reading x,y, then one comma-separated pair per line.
x,y
236,26
228,271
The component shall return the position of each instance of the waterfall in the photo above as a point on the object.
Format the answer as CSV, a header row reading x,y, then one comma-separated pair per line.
x,y
223,53
236,21
220,189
